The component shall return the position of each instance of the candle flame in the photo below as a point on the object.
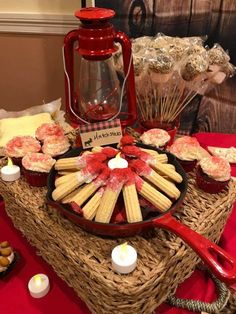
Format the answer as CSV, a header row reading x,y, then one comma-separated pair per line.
x,y
118,155
37,280
123,250
9,162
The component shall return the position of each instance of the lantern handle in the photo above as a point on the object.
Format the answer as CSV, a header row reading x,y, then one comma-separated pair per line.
x,y
125,43
68,62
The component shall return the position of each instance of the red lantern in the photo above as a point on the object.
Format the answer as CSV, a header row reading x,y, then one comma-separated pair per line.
x,y
99,95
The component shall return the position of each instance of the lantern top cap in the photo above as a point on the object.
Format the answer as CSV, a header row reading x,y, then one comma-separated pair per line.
x,y
94,14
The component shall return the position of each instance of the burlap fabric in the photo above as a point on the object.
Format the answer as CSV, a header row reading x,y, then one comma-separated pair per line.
x,y
83,260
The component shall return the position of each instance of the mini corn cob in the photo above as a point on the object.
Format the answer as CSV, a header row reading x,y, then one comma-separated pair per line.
x,y
107,205
88,189
69,197
164,169
84,193
65,172
79,162
160,157
68,163
143,169
155,197
113,187
65,178
97,149
66,188
170,166
132,207
164,185
76,179
90,208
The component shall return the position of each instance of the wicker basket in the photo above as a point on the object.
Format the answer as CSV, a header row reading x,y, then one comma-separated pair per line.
x,y
83,260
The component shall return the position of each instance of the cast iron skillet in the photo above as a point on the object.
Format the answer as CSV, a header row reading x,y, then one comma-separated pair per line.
x,y
208,251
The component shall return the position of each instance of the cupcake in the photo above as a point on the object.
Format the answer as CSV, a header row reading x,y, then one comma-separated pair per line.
x,y
55,145
6,257
36,167
19,146
213,174
186,150
48,129
156,137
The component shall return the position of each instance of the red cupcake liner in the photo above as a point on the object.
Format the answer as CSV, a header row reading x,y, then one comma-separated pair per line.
x,y
35,178
207,184
188,165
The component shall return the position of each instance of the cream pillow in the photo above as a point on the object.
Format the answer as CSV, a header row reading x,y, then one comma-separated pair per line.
x,y
26,125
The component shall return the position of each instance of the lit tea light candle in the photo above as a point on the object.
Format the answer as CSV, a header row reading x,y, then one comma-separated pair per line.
x,y
117,162
10,172
38,286
124,259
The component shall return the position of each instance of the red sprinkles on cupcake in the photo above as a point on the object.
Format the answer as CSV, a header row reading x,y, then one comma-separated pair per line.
x,y
36,167
48,129
38,162
213,174
216,168
19,146
55,145
155,137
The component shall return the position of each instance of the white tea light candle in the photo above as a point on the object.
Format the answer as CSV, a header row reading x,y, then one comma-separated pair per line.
x,y
124,259
117,162
39,286
10,172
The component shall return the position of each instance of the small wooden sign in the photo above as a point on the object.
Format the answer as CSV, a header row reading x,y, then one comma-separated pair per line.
x,y
100,133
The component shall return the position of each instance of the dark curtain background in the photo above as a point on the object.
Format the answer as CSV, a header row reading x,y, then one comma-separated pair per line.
x,y
214,18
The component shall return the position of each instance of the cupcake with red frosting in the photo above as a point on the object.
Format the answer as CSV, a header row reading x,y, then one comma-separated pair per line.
x,y
55,146
186,150
19,146
48,129
213,174
156,137
36,167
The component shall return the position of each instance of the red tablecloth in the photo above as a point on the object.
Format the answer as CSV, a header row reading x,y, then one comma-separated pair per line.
x,y
15,299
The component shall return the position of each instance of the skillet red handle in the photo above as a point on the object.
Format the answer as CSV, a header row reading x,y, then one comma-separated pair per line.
x,y
207,250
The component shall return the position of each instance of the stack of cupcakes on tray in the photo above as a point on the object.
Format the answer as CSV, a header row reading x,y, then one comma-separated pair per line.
x,y
37,155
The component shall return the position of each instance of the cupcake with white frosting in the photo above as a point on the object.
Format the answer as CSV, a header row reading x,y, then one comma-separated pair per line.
x,y
186,150
55,145
48,129
36,167
213,174
156,137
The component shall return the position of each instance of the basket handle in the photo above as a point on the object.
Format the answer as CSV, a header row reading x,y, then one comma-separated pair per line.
x,y
199,306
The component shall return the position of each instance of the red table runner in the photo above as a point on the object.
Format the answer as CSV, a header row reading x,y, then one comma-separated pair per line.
x,y
14,296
